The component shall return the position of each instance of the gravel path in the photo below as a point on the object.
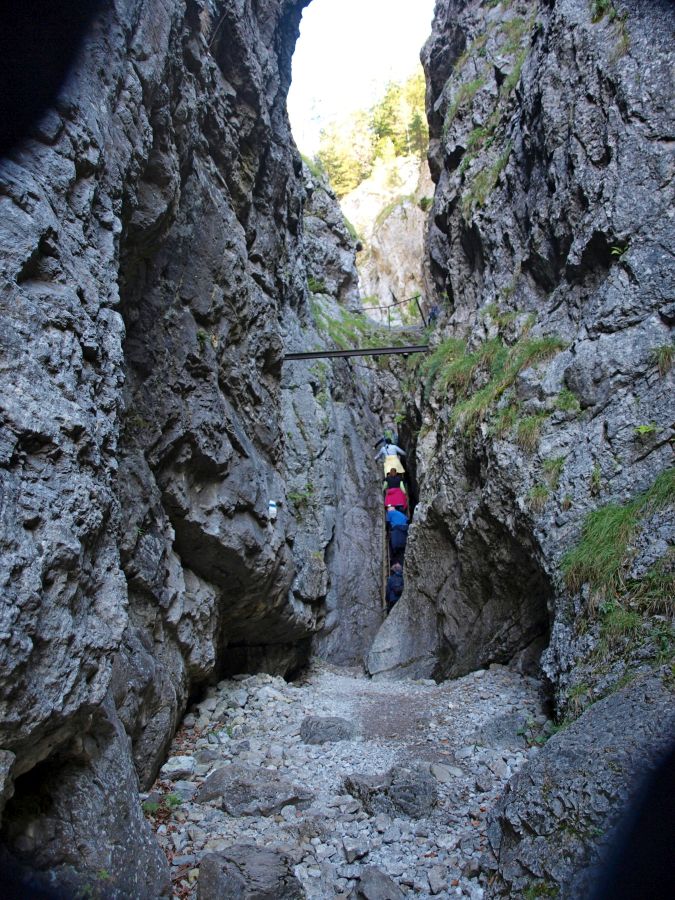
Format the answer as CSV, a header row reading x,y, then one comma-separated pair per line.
x,y
242,774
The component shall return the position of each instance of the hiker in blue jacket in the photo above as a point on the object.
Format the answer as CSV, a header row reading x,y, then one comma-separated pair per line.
x,y
398,533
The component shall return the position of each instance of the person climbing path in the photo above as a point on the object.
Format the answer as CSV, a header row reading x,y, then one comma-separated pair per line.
x,y
398,534
391,453
394,586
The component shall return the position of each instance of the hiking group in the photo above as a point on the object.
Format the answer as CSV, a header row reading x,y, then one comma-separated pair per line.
x,y
397,508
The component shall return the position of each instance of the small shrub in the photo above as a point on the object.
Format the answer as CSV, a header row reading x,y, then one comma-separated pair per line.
x,y
505,420
514,31
529,432
484,183
301,499
314,166
539,889
617,623
600,8
425,203
202,338
566,502
513,77
353,233
595,481
384,213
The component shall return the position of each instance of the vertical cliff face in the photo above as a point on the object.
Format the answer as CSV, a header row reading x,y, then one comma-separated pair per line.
x,y
548,245
154,268
549,394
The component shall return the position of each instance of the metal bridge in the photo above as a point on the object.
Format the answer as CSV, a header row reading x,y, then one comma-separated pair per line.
x,y
366,351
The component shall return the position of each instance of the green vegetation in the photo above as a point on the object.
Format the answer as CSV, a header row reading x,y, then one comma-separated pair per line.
x,y
163,807
484,182
505,420
453,366
464,95
596,480
529,432
567,401
315,285
396,126
538,496
642,431
514,30
513,77
301,499
602,552
202,338
384,214
663,357
602,8
539,889
553,470
425,203
356,237
314,166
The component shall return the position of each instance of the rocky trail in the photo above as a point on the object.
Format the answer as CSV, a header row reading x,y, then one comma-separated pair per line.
x,y
338,786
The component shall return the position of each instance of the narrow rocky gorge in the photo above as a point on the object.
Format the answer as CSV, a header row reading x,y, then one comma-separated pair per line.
x,y
162,631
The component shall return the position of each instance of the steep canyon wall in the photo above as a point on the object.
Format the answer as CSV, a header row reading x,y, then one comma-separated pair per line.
x,y
549,396
153,272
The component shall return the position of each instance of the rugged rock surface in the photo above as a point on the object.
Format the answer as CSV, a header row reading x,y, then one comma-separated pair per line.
x,y
526,256
545,828
550,393
152,270
402,806
389,210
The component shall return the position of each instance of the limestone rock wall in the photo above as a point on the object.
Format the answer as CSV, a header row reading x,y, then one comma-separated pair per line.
x,y
389,211
548,243
152,268
550,391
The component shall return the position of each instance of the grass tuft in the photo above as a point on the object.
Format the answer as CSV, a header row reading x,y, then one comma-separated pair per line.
x,y
464,95
601,554
663,358
538,497
529,432
553,470
567,401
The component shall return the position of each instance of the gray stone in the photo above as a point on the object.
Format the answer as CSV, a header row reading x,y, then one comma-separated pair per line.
x,y
245,791
178,767
354,849
325,729
185,789
374,884
412,792
553,815
445,774
248,873
438,879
